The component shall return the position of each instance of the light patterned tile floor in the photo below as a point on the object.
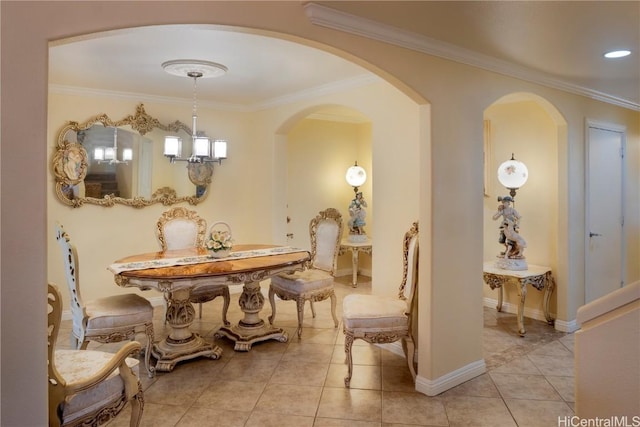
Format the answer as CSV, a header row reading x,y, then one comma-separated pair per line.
x,y
529,381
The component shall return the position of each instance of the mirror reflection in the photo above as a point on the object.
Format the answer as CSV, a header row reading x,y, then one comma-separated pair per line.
x,y
108,162
112,168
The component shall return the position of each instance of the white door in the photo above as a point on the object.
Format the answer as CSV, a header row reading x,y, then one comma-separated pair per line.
x,y
604,216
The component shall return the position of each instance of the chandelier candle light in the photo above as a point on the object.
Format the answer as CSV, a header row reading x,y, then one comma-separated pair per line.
x,y
110,154
203,150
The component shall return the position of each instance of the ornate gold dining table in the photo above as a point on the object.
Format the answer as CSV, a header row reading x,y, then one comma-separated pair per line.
x,y
177,281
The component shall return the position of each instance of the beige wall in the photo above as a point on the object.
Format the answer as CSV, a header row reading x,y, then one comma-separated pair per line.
x,y
318,155
395,166
448,193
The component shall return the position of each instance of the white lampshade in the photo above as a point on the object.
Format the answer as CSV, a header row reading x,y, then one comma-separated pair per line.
x,y
127,154
220,149
201,147
172,146
513,173
109,153
356,176
98,153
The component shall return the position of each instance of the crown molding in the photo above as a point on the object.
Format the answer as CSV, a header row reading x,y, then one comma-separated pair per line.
x,y
311,93
139,97
317,91
338,118
330,18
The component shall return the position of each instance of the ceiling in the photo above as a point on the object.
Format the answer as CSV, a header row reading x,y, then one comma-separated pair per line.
x,y
560,42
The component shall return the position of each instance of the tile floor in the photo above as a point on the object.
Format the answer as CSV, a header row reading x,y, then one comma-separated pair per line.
x,y
529,381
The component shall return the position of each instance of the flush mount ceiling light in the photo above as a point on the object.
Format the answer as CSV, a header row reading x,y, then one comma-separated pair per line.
x,y
617,54
203,150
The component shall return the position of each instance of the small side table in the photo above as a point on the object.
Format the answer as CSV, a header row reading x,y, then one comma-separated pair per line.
x,y
355,248
538,276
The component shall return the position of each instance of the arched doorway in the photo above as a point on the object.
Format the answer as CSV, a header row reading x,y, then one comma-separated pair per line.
x,y
529,127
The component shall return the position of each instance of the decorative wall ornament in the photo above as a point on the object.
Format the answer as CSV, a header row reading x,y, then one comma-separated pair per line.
x,y
70,164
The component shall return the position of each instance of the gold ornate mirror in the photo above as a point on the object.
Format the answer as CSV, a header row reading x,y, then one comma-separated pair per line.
x,y
106,162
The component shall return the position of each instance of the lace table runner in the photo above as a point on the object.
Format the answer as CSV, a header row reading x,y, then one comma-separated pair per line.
x,y
118,268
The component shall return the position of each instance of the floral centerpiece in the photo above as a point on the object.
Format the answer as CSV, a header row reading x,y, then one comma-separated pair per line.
x,y
219,241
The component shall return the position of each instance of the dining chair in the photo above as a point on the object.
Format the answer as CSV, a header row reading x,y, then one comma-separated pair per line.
x,y
89,387
314,283
381,319
109,319
181,228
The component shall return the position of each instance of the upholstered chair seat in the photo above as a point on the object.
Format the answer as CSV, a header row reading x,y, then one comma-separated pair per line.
x,y
116,311
303,281
373,312
379,319
75,366
315,283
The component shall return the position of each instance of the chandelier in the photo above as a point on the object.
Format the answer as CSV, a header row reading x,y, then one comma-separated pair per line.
x,y
110,154
203,149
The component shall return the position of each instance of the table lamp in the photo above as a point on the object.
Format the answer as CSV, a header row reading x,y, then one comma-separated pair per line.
x,y
356,176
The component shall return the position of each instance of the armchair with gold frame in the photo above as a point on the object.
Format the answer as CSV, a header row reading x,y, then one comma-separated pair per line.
x,y
89,387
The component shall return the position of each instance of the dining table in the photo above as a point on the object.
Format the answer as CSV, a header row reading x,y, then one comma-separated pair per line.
x,y
176,273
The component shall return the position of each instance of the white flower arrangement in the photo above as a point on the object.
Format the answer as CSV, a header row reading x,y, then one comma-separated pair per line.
x,y
219,240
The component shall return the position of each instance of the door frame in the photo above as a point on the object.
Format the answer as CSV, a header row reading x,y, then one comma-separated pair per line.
x,y
622,130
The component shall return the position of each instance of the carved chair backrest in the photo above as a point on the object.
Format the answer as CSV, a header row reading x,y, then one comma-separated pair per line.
x,y
56,384
181,228
409,282
326,232
72,274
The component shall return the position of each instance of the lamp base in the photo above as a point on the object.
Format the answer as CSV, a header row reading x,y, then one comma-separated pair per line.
x,y
357,238
513,264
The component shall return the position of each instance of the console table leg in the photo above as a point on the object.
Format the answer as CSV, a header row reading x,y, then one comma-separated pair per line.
x,y
551,284
354,268
522,294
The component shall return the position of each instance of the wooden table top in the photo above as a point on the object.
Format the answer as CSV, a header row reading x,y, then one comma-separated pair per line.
x,y
214,268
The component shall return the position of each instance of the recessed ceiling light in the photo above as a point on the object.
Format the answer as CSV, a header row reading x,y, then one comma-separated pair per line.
x,y
617,54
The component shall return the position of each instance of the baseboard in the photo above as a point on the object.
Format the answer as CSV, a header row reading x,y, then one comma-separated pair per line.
x,y
450,380
444,383
559,325
348,272
513,309
564,326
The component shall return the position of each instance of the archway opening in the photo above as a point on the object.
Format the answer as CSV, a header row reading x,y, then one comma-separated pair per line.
x,y
529,128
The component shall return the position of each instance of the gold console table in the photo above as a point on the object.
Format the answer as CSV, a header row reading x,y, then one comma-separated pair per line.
x,y
538,276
